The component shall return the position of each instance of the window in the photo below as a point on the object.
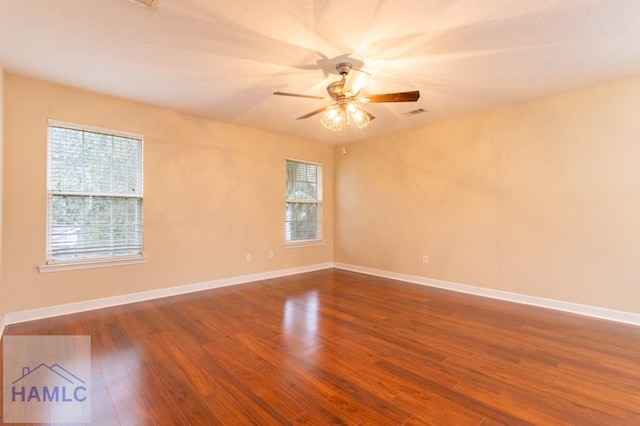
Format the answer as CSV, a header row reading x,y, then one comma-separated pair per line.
x,y
303,218
94,194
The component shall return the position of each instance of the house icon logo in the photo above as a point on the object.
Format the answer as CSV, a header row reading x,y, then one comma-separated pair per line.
x,y
46,383
46,379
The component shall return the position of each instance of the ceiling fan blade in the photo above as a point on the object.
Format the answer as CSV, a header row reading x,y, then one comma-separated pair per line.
x,y
317,111
392,97
297,95
354,82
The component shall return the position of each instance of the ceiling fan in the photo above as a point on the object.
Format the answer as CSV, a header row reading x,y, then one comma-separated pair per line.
x,y
345,93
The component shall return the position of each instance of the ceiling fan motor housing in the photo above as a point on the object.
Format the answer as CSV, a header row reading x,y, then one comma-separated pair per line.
x,y
335,89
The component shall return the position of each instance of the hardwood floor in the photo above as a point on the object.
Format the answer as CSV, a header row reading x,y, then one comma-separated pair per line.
x,y
336,347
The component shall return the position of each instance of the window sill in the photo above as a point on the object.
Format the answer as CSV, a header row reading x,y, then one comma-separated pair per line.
x,y
102,263
307,243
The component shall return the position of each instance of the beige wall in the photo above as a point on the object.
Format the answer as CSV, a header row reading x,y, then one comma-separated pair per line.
x,y
213,193
541,199
2,311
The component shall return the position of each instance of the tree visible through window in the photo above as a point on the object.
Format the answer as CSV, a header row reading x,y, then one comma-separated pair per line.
x,y
303,219
94,188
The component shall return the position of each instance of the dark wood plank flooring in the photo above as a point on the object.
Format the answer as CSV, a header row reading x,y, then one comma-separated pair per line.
x,y
336,347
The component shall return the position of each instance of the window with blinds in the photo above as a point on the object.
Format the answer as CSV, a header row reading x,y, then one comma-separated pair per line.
x,y
94,192
303,217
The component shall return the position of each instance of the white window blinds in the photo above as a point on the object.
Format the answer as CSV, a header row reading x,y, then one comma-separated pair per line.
x,y
94,187
303,217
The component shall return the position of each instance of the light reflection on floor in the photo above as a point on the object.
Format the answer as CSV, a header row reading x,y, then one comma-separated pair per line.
x,y
121,382
301,320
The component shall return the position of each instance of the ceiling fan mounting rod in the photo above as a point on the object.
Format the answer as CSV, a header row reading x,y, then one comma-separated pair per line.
x,y
343,68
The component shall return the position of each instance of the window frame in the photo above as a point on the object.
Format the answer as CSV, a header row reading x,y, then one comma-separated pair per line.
x,y
318,201
95,262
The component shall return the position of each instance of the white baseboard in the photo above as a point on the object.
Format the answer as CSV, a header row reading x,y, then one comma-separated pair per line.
x,y
591,311
71,308
1,326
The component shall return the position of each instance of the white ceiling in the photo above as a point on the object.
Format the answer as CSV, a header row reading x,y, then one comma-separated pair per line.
x,y
224,59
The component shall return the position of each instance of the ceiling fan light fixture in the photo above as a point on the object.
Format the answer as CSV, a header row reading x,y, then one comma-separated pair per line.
x,y
333,119
339,117
357,116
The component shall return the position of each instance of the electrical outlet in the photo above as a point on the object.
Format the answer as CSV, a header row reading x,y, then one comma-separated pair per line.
x,y
425,259
248,257
270,254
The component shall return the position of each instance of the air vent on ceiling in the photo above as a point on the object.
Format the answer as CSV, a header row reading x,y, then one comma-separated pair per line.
x,y
415,111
